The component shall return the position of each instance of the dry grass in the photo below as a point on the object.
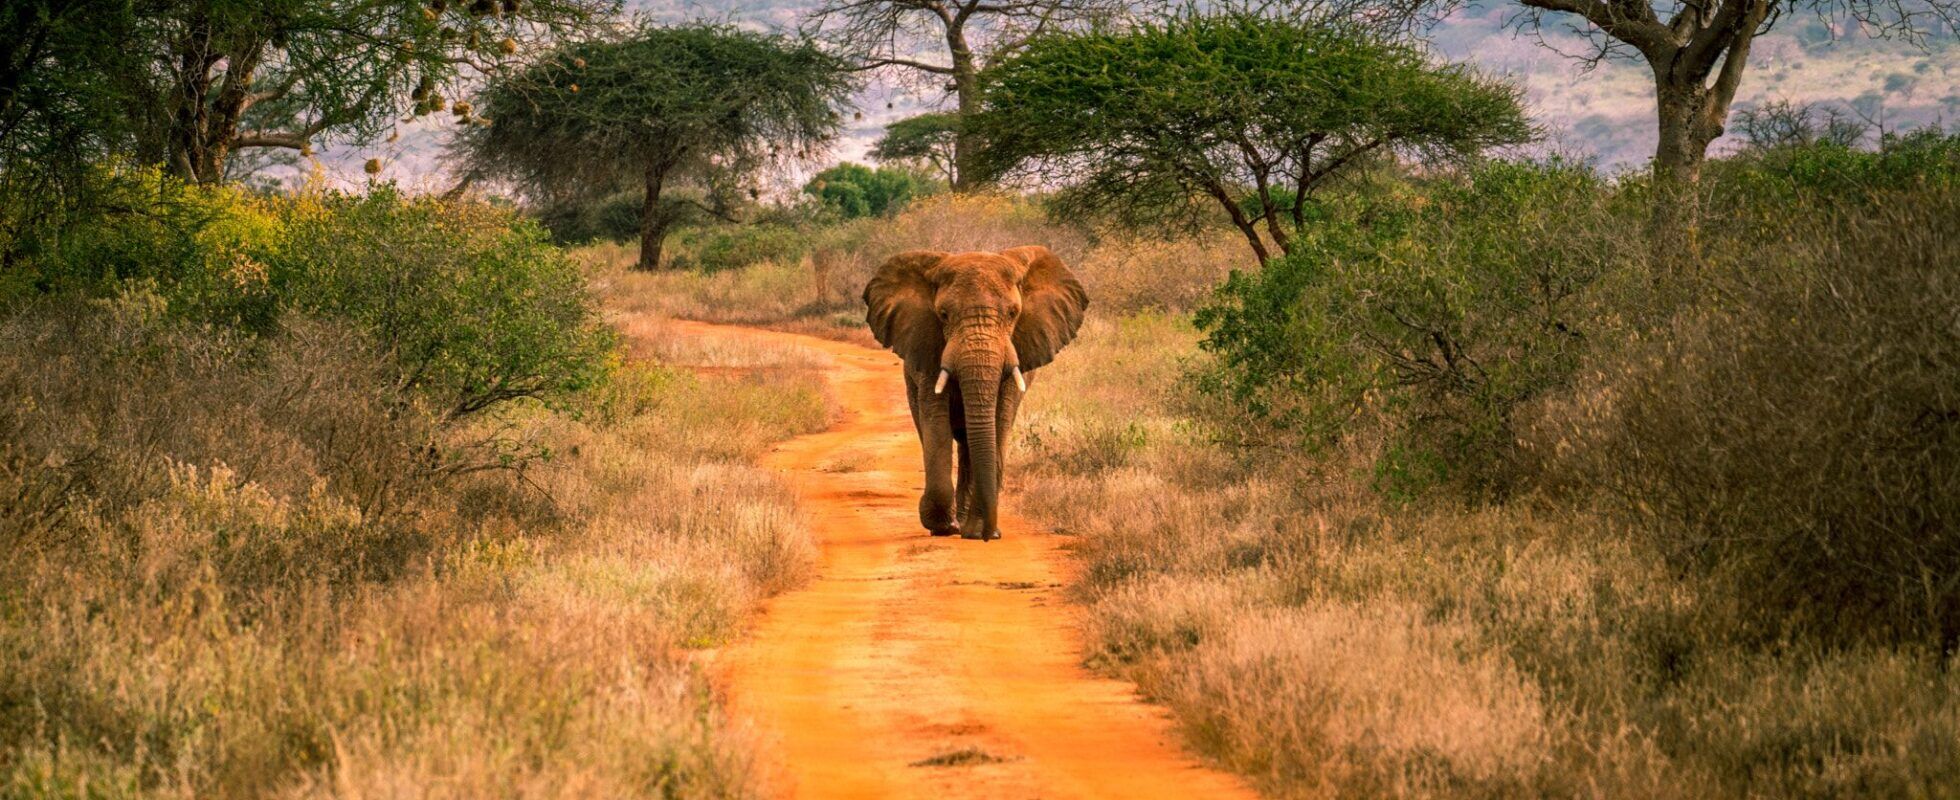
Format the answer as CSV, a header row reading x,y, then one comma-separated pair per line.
x,y
200,604
820,294
1324,644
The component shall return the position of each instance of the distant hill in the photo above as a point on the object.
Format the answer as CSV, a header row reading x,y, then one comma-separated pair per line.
x,y
1606,114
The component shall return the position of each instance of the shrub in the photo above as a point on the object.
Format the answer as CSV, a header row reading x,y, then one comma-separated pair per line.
x,y
202,249
1799,437
729,247
1806,172
1127,274
855,190
615,218
1445,310
472,303
167,448
202,601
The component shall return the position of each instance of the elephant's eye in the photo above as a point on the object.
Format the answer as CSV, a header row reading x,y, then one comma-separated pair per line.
x,y
1014,311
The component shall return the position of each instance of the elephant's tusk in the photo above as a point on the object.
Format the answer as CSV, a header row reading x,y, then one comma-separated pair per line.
x,y
940,386
1019,379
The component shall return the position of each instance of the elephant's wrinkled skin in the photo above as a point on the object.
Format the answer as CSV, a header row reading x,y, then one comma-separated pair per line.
x,y
971,327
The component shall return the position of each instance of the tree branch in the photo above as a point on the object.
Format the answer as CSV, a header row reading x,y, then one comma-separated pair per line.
x,y
295,140
881,63
1643,31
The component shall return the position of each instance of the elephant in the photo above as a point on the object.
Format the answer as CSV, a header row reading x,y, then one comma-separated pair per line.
x,y
971,328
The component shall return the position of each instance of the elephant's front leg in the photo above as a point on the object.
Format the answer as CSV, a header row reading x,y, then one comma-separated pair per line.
x,y
1005,410
965,492
937,510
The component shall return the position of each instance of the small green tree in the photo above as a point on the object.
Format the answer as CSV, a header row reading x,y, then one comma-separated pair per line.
x,y
656,107
855,190
927,139
1238,112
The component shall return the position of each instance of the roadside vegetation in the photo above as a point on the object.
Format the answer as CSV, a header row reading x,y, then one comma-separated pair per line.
x,y
1469,495
1470,499
1398,463
331,495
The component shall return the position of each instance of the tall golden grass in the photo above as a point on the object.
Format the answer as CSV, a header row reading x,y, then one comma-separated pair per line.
x,y
1323,643
198,602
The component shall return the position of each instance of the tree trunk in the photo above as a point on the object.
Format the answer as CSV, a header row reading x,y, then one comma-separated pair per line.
x,y
1692,112
205,124
653,219
189,156
1677,170
966,89
1682,147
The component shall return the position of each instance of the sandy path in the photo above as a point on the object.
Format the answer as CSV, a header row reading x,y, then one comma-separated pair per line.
x,y
906,649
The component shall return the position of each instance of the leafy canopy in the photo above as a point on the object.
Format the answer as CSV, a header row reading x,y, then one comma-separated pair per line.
x,y
695,101
186,84
928,138
1236,111
855,190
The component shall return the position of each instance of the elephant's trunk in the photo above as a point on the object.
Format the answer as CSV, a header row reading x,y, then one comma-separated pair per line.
x,y
980,392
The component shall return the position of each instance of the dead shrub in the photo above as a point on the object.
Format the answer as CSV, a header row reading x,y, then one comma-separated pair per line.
x,y
1130,274
1797,436
177,448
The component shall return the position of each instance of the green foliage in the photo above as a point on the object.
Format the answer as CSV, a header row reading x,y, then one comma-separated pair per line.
x,y
1155,124
613,218
1777,421
202,249
929,139
728,247
855,190
595,116
473,305
1445,307
106,79
1809,169
654,108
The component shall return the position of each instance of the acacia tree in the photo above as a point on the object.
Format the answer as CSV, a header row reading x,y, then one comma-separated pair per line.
x,y
879,34
926,138
58,112
1697,52
217,76
1239,112
656,107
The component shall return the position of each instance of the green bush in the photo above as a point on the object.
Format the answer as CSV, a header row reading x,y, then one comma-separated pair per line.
x,y
611,219
201,248
855,190
473,304
1797,436
1440,309
1807,174
736,246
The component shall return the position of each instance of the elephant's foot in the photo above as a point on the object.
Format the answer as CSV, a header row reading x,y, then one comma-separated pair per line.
x,y
980,533
936,516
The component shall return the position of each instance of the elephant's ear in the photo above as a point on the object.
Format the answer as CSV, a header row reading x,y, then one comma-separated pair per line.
x,y
1052,303
898,306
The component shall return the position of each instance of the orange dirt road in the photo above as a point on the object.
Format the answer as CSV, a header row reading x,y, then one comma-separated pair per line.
x,y
916,667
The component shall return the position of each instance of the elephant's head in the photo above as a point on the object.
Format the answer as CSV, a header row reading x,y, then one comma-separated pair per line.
x,y
983,320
